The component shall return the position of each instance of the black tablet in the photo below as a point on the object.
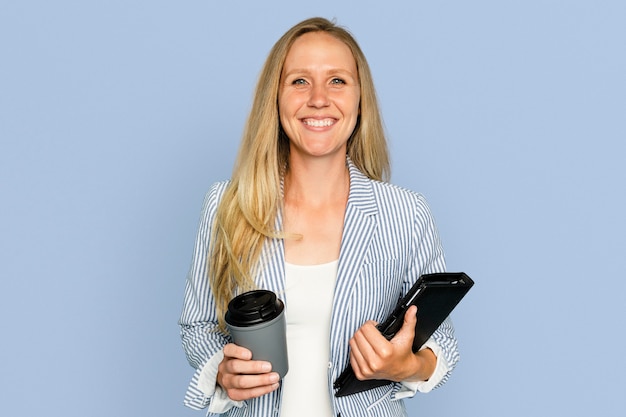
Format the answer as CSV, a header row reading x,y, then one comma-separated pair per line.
x,y
435,296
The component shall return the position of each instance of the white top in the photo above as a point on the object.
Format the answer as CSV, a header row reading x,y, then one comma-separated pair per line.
x,y
309,298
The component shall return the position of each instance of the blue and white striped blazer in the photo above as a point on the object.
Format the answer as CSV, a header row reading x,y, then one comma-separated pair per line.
x,y
389,240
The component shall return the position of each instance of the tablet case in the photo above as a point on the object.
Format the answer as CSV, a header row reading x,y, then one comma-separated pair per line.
x,y
435,296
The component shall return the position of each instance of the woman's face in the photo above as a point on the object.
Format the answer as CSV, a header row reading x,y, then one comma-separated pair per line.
x,y
319,96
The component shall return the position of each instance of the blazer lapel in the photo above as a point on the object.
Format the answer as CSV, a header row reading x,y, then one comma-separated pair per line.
x,y
359,225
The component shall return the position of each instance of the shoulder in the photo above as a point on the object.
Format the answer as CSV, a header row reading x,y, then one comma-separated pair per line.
x,y
391,197
217,189
385,198
388,190
213,197
384,193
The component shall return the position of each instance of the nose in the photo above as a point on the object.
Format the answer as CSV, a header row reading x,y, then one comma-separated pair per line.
x,y
319,96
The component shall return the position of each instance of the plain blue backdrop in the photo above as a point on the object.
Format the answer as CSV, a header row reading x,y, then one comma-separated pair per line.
x,y
116,116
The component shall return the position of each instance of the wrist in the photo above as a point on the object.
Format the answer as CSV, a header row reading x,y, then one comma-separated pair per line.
x,y
425,362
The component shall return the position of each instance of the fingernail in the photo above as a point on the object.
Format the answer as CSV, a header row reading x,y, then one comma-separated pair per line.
x,y
274,377
267,367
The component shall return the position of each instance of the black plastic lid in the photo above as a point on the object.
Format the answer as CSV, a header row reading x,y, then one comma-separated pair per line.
x,y
253,307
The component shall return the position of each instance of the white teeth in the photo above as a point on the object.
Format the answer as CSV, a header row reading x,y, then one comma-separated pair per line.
x,y
318,123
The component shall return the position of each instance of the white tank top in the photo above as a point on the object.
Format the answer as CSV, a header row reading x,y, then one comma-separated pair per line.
x,y
309,294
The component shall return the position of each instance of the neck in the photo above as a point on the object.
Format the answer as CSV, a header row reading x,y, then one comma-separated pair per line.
x,y
317,181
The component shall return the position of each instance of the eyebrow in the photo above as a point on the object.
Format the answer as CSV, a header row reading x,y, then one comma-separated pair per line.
x,y
328,72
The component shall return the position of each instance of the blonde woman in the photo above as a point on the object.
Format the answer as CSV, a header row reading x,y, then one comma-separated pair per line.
x,y
307,214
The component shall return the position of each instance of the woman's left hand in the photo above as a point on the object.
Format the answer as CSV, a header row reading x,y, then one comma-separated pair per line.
x,y
374,357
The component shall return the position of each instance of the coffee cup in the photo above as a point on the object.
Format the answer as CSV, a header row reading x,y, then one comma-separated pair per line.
x,y
256,321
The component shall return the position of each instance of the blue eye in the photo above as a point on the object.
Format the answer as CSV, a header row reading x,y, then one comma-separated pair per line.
x,y
299,81
337,81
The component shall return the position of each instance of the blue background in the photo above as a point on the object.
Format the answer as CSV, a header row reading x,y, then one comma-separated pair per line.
x,y
116,116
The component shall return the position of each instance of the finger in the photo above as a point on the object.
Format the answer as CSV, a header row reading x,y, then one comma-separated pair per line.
x,y
247,367
362,341
370,333
411,315
235,351
253,381
372,343
366,354
407,331
233,366
358,363
239,361
242,394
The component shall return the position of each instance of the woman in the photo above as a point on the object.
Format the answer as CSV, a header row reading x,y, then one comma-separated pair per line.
x,y
308,216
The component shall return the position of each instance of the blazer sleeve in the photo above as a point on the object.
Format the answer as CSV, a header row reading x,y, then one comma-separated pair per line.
x,y
428,257
201,337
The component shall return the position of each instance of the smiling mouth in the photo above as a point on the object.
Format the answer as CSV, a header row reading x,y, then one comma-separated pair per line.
x,y
319,122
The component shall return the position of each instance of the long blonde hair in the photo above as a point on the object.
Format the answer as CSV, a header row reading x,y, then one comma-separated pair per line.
x,y
247,212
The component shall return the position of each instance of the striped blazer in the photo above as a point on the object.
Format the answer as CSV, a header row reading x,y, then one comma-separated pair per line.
x,y
389,240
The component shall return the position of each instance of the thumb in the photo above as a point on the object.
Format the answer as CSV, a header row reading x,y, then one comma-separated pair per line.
x,y
407,331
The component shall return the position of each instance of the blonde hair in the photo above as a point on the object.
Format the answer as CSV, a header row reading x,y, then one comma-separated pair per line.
x,y
247,212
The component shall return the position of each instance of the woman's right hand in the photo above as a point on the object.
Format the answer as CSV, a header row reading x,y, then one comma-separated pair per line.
x,y
241,377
